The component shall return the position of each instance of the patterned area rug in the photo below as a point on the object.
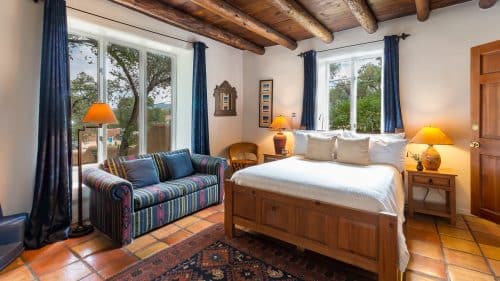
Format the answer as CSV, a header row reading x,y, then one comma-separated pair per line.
x,y
209,255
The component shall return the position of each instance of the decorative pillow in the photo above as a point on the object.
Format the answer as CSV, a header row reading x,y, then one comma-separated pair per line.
x,y
141,172
353,151
384,136
320,148
300,142
179,165
388,151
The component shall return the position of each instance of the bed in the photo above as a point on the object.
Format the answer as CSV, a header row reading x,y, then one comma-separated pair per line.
x,y
350,213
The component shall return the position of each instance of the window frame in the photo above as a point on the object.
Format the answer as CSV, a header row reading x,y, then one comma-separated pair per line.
x,y
103,42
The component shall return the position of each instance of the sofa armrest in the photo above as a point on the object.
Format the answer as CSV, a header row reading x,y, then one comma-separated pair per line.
x,y
105,183
12,228
211,165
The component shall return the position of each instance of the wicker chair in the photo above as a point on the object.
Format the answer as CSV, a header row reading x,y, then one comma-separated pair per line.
x,y
243,154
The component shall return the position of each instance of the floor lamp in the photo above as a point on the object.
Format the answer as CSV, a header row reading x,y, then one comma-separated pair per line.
x,y
99,114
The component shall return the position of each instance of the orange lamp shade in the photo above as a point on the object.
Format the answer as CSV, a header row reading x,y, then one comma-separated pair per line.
x,y
280,123
431,135
100,113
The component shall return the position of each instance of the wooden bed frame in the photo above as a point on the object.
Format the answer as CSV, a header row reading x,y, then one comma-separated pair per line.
x,y
364,239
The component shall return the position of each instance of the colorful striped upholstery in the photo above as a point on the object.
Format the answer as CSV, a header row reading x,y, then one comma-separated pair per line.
x,y
123,213
165,191
162,167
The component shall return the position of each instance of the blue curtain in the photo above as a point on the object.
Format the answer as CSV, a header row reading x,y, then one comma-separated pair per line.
x,y
392,107
200,143
310,84
50,217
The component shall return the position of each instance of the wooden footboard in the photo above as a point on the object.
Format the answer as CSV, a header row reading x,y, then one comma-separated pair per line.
x,y
361,238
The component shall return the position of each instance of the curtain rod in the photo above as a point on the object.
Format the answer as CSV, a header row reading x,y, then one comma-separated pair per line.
x,y
130,25
402,36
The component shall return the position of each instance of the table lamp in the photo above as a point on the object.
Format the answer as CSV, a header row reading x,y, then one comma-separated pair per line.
x,y
279,124
431,136
99,114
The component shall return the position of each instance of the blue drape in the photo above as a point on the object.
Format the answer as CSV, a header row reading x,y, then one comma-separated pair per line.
x,y
199,138
51,210
392,107
310,84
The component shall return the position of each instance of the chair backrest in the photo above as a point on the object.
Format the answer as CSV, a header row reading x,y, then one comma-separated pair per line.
x,y
243,150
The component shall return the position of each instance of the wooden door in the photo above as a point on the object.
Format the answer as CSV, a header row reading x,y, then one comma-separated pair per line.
x,y
485,143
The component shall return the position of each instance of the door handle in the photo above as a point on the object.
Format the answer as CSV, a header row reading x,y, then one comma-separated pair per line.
x,y
475,144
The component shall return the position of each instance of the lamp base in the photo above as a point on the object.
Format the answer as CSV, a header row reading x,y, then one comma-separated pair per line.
x,y
431,159
80,230
279,143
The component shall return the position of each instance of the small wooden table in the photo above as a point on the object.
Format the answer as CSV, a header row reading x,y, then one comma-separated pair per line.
x,y
443,179
275,157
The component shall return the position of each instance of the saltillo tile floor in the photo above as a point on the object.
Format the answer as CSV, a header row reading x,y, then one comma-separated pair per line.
x,y
468,251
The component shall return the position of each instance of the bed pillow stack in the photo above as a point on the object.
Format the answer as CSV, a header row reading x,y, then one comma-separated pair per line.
x,y
320,148
353,150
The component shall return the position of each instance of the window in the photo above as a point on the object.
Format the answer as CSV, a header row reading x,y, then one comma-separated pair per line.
x,y
355,93
136,82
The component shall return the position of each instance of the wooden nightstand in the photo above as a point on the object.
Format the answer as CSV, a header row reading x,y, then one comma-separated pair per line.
x,y
274,157
444,179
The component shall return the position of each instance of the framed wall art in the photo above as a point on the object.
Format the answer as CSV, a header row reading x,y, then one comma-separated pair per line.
x,y
225,100
265,103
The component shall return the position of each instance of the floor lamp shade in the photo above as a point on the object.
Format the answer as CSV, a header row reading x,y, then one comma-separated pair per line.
x,y
279,124
431,136
100,113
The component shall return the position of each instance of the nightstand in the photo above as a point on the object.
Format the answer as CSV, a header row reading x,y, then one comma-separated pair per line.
x,y
443,179
274,157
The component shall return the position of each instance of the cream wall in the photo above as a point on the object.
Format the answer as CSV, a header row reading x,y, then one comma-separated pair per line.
x,y
21,28
434,77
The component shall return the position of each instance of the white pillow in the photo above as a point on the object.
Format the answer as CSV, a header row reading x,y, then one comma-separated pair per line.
x,y
384,136
320,148
300,142
353,150
388,151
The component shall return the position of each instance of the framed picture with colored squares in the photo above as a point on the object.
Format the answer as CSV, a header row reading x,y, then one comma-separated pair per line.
x,y
265,103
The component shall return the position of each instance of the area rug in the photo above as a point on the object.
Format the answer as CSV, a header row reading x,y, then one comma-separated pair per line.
x,y
210,255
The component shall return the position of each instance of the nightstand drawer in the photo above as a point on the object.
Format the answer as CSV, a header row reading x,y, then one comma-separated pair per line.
x,y
430,180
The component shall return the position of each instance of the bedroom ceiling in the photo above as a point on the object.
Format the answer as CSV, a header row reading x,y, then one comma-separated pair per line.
x,y
254,24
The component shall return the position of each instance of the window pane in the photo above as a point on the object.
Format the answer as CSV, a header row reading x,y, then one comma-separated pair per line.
x,y
84,64
340,95
368,73
122,78
159,102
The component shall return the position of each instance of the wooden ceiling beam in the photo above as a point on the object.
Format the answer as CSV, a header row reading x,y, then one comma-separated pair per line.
x,y
485,4
363,14
165,13
423,9
297,13
236,16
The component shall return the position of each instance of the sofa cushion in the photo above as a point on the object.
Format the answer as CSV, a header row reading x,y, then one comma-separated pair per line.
x,y
179,165
115,165
141,172
165,191
162,166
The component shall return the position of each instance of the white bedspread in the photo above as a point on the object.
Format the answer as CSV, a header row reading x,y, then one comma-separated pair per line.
x,y
374,188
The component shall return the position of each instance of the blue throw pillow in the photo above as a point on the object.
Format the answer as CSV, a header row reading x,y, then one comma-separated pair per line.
x,y
141,172
179,165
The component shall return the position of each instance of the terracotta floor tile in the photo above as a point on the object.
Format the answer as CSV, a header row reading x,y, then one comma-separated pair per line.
x,y
495,266
490,251
199,226
189,220
421,224
177,237
53,262
151,249
205,212
140,242
165,231
485,226
478,220
455,232
21,273
92,246
462,274
460,244
487,238
466,260
101,260
70,242
422,235
219,208
116,266
74,271
31,255
414,276
426,249
216,218
13,265
92,277
428,266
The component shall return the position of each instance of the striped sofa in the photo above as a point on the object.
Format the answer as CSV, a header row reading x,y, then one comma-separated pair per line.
x,y
122,212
